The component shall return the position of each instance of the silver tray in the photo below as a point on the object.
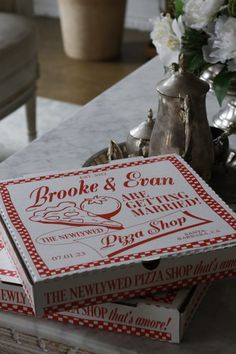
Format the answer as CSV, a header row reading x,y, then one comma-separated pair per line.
x,y
100,157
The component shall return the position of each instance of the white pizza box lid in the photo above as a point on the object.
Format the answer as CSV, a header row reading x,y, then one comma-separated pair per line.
x,y
162,316
114,231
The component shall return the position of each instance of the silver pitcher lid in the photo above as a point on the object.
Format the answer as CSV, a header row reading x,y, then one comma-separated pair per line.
x,y
144,129
182,83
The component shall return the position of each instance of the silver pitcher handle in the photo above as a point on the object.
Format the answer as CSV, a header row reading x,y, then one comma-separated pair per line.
x,y
228,131
186,118
114,151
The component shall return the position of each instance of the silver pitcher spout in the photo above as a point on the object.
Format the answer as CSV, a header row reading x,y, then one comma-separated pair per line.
x,y
181,126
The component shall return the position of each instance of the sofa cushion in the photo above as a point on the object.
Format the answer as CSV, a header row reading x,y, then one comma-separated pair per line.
x,y
16,85
18,44
21,7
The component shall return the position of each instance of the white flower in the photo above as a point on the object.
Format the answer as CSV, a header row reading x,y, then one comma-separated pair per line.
x,y
198,13
222,42
166,37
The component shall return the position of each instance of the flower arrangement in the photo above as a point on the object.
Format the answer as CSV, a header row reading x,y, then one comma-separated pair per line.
x,y
204,31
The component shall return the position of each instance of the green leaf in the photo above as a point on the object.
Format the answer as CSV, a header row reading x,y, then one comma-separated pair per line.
x,y
194,63
193,40
179,5
221,84
192,43
232,8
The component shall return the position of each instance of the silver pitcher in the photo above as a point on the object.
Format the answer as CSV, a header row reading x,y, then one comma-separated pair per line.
x,y
181,126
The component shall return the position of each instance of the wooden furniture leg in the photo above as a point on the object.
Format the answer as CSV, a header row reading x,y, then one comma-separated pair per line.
x,y
31,117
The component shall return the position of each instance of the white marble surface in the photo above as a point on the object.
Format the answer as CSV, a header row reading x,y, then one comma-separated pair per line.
x,y
111,115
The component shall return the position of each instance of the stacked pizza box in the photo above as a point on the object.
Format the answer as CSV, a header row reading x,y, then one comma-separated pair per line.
x,y
128,246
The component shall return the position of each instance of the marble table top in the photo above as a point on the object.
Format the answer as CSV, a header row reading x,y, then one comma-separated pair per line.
x,y
112,115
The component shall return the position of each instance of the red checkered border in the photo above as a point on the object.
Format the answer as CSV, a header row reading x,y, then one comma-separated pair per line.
x,y
7,272
113,327
24,310
42,268
166,298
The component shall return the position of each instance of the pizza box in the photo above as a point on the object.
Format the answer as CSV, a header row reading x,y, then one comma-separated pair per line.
x,y
162,316
115,231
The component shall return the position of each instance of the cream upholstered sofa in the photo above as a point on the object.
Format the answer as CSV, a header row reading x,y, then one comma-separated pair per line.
x,y
18,60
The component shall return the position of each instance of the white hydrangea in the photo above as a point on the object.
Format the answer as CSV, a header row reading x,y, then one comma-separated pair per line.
x,y
222,42
166,37
198,13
